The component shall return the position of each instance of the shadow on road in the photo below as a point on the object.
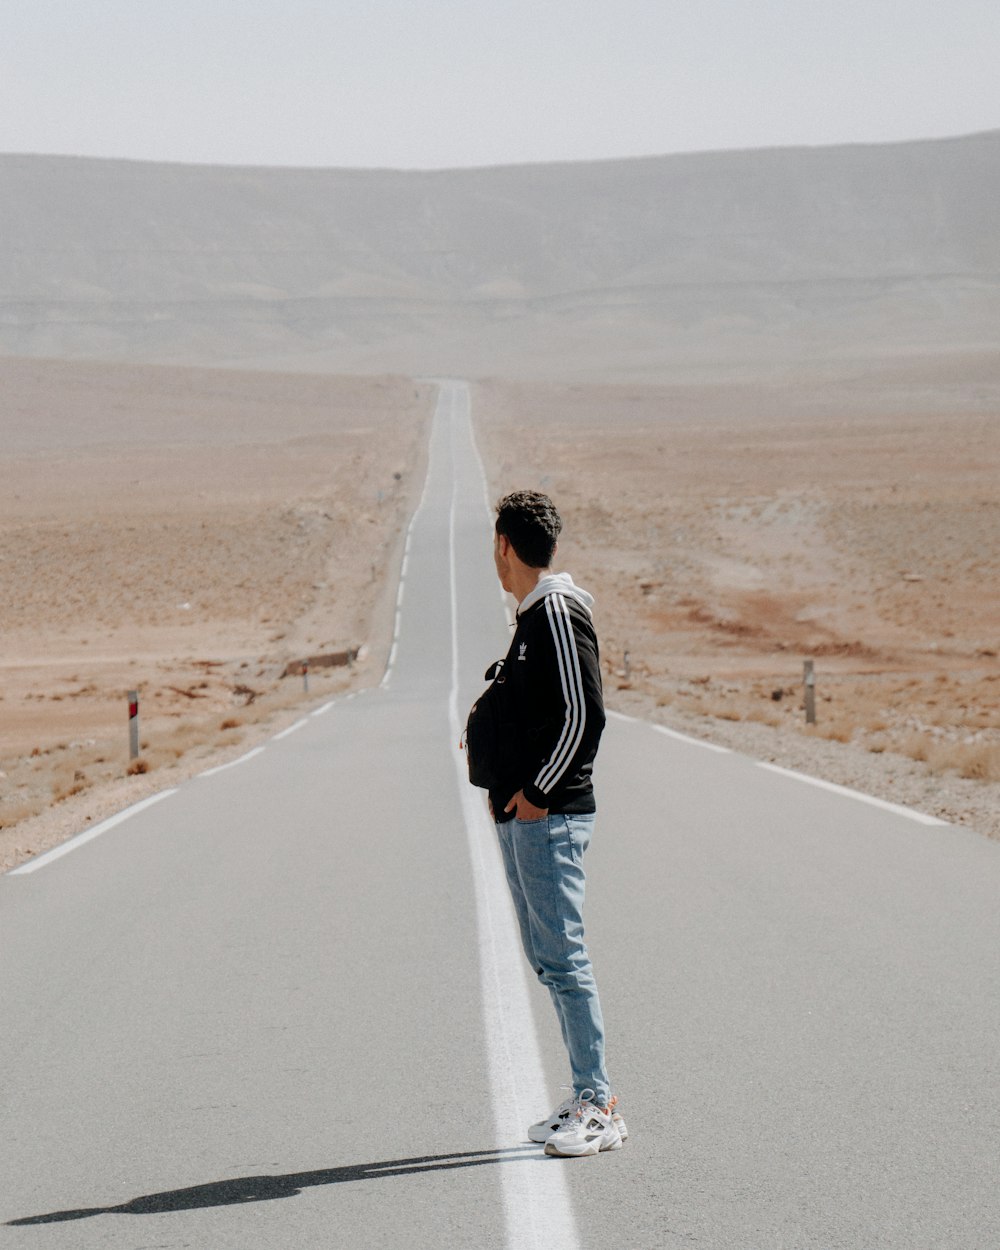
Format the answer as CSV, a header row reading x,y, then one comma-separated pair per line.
x,y
265,1188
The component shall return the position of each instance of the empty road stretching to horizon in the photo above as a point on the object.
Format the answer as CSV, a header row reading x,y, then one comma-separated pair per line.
x,y
283,1006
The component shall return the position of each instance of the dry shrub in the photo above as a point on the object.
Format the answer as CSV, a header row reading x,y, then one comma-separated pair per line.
x,y
138,766
978,761
836,729
12,813
183,738
67,781
765,716
917,747
230,723
63,788
165,754
721,710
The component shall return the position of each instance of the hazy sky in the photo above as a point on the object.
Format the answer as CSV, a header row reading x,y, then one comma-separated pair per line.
x,y
438,83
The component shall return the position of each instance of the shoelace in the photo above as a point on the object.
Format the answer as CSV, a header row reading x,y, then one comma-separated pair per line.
x,y
585,1104
566,1106
577,1107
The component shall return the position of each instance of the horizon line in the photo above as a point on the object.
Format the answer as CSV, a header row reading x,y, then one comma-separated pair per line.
x,y
496,166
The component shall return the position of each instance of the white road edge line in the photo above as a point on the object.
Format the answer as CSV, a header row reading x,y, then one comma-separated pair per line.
x,y
897,808
64,849
390,663
299,724
672,733
537,1207
221,768
909,812
694,742
322,711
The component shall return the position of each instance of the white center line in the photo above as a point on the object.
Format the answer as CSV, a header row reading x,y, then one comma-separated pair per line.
x,y
537,1207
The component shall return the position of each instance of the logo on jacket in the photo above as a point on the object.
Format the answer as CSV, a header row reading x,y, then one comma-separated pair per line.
x,y
523,649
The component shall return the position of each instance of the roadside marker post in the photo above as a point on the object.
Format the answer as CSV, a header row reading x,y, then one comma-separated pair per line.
x,y
133,724
809,678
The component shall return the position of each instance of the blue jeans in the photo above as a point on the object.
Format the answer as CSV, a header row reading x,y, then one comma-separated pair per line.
x,y
543,860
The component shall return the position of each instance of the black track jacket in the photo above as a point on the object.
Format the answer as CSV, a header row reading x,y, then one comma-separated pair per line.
x,y
552,679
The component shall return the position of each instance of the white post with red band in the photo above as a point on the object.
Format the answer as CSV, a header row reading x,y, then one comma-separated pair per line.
x,y
133,724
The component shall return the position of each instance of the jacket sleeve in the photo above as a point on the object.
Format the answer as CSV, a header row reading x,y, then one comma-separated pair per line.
x,y
574,711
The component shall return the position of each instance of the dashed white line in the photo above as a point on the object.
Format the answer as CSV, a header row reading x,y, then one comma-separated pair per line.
x,y
290,730
58,851
402,572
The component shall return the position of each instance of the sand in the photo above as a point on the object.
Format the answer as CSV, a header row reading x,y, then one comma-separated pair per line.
x,y
188,534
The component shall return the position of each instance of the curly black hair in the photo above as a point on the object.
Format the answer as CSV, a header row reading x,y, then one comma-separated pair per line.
x,y
530,521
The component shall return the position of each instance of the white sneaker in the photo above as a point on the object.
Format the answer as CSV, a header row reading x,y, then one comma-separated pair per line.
x,y
587,1130
543,1130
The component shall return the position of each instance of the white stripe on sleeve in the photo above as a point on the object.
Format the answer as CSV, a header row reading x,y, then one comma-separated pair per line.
x,y
571,679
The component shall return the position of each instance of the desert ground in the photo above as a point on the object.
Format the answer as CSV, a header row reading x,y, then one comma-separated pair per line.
x,y
192,533
731,533
189,534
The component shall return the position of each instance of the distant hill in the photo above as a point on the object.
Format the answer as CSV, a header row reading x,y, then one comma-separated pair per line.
x,y
671,268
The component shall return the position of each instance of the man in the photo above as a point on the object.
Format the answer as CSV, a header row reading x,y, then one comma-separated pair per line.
x,y
544,804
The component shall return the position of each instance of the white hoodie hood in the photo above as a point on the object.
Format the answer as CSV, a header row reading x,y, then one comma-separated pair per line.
x,y
564,584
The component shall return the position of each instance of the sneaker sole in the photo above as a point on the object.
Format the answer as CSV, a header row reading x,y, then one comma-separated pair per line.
x,y
592,1148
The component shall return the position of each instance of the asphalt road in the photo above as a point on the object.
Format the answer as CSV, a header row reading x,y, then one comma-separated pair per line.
x,y
284,1007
